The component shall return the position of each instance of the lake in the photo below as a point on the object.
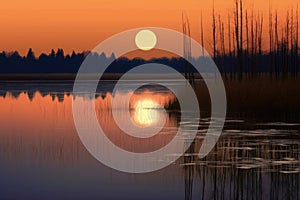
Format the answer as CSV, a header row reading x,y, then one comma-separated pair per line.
x,y
42,156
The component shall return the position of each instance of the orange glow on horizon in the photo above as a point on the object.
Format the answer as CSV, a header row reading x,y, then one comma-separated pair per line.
x,y
81,25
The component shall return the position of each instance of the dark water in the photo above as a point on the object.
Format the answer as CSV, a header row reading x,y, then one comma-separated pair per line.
x,y
42,157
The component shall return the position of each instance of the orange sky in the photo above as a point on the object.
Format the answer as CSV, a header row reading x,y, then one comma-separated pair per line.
x,y
80,25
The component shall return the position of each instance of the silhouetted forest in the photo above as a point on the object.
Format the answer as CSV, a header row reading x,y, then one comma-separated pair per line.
x,y
58,62
55,62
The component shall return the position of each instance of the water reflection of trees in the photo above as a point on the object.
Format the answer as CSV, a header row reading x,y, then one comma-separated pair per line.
x,y
238,168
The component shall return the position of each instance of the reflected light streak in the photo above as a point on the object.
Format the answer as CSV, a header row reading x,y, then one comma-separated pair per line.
x,y
145,112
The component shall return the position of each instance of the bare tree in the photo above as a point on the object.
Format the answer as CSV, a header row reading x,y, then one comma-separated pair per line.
x,y
271,38
253,42
202,36
297,38
229,45
237,27
239,34
241,27
276,44
259,36
214,31
222,44
286,43
187,45
229,35
247,41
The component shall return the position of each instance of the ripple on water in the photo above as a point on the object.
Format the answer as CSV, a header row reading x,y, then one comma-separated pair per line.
x,y
290,171
278,124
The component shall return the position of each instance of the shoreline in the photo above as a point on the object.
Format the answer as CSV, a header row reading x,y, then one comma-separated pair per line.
x,y
105,76
116,76
259,97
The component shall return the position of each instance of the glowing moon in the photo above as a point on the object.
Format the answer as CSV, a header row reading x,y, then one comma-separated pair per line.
x,y
145,40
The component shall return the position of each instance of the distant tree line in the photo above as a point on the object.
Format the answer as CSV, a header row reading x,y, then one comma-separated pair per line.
x,y
55,62
58,62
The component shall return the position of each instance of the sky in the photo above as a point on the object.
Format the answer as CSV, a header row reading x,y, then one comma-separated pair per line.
x,y
80,25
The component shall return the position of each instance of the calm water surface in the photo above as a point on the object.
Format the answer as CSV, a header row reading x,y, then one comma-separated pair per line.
x,y
42,157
